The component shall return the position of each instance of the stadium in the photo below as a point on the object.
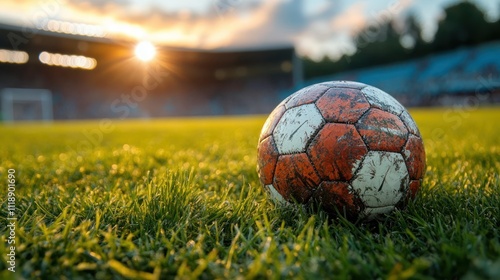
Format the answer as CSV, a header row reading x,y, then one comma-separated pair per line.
x,y
449,78
178,155
195,82
182,82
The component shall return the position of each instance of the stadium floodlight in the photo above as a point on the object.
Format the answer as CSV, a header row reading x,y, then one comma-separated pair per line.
x,y
11,56
24,104
74,28
64,60
145,51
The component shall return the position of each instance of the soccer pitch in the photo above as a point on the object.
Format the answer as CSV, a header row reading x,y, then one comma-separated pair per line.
x,y
181,198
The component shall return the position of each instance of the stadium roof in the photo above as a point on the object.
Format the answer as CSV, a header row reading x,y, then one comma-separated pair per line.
x,y
106,39
101,51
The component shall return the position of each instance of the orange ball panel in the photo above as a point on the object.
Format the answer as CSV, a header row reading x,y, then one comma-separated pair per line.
x,y
268,156
295,177
414,188
382,131
414,154
343,105
336,150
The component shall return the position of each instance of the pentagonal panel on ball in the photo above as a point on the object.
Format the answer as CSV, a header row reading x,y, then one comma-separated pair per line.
x,y
382,131
336,151
382,100
295,177
343,105
296,127
382,179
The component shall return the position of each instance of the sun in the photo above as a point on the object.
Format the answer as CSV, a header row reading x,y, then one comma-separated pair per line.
x,y
145,51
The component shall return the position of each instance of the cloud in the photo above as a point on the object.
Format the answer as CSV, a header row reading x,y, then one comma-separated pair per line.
x,y
99,3
273,23
230,23
323,29
350,20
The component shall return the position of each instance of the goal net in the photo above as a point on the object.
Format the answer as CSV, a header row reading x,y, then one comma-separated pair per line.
x,y
26,105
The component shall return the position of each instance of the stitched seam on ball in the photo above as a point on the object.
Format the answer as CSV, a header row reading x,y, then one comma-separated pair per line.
x,y
365,113
362,158
325,181
265,139
274,127
349,87
406,163
313,102
407,126
380,108
360,165
316,171
313,135
357,129
366,97
274,169
277,158
274,177
311,138
404,145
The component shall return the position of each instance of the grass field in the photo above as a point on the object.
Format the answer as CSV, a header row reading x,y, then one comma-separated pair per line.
x,y
181,198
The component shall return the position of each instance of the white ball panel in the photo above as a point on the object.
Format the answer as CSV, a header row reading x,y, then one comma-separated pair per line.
x,y
296,127
371,213
380,179
382,100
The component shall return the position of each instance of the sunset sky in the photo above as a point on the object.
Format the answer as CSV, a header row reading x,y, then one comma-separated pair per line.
x,y
315,27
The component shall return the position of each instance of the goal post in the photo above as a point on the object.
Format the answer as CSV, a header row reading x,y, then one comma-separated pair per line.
x,y
24,104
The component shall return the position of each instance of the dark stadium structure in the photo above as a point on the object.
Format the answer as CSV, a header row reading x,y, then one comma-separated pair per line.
x,y
102,78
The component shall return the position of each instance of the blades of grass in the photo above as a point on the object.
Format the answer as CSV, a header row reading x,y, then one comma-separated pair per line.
x,y
126,272
234,245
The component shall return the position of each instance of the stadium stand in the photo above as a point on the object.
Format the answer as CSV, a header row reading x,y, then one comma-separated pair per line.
x,y
439,79
95,77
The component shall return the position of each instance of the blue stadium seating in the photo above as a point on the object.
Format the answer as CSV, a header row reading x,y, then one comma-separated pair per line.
x,y
464,70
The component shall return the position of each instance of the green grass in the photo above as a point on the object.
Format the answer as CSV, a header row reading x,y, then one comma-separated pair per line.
x,y
181,198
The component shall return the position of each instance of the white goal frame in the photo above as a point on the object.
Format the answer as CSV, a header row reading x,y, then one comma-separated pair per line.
x,y
10,96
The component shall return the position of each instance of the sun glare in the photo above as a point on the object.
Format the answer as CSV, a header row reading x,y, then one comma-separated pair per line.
x,y
145,51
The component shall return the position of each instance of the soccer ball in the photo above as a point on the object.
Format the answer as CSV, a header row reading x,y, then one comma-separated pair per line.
x,y
348,146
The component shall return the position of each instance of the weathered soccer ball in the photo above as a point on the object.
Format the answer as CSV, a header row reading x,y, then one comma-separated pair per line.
x,y
348,146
